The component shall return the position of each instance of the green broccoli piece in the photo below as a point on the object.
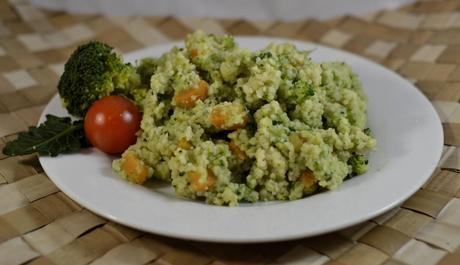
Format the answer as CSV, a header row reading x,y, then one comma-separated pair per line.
x,y
263,55
146,69
226,42
93,71
358,164
297,94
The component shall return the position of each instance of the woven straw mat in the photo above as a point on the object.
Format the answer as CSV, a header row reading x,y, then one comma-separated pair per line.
x,y
41,225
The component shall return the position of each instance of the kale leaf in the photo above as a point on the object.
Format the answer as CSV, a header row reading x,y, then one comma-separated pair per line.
x,y
57,135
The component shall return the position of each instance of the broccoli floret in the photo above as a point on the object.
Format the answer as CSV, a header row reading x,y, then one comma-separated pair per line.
x,y
297,94
227,42
94,70
358,164
146,69
263,55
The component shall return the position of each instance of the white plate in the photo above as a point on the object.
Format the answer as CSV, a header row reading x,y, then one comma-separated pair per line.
x,y
406,126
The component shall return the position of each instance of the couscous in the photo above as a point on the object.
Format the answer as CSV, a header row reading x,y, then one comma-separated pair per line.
x,y
230,125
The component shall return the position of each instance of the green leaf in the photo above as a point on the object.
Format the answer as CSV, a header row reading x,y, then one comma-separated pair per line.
x,y
57,135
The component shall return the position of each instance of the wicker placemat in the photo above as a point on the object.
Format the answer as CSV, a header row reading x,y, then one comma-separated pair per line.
x,y
41,225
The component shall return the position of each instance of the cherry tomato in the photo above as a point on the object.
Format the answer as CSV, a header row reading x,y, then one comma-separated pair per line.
x,y
111,124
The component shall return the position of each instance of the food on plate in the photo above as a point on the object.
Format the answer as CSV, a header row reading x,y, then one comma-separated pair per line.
x,y
57,135
230,125
219,122
111,124
93,71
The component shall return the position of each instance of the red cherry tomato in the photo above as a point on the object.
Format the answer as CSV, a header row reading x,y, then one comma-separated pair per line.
x,y
111,124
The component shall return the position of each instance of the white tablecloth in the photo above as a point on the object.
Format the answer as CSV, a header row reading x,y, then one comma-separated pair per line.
x,y
248,9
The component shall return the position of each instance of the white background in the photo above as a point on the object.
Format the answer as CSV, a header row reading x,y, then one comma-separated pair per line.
x,y
248,9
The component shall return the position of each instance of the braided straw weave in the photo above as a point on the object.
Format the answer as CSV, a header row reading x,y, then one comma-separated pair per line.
x,y
41,225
